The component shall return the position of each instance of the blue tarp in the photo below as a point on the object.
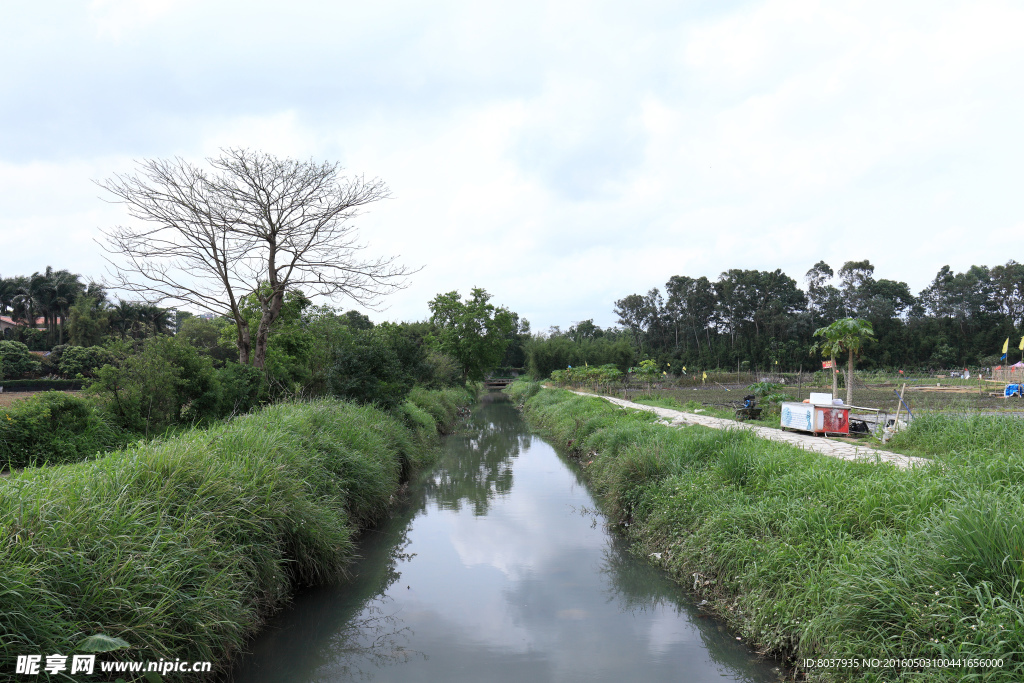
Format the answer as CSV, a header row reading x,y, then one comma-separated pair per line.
x,y
1012,390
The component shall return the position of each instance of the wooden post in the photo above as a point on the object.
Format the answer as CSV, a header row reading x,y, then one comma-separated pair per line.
x,y
896,422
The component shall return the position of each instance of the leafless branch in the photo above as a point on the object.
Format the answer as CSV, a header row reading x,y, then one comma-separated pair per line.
x,y
254,224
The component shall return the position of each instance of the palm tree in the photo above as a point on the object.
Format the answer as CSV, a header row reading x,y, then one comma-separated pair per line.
x,y
67,287
123,318
153,320
24,304
847,335
49,295
8,288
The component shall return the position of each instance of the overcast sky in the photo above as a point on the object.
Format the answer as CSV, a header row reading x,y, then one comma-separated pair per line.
x,y
560,155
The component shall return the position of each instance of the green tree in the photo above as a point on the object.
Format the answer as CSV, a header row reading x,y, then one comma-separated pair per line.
x,y
847,334
83,360
214,338
373,366
475,332
88,322
166,382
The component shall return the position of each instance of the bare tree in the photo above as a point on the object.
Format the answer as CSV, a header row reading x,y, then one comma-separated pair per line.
x,y
254,224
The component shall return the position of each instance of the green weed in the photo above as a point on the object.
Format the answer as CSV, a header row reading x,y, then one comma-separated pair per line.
x,y
809,556
182,546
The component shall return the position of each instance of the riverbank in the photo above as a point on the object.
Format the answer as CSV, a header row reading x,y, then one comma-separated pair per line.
x,y
181,547
810,557
498,567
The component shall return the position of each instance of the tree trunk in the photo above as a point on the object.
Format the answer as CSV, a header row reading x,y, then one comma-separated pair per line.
x,y
849,380
835,380
244,342
263,331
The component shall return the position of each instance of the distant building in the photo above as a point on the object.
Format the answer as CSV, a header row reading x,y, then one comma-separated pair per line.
x,y
8,323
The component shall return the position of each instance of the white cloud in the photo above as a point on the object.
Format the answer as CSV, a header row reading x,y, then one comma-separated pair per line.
x,y
115,19
561,156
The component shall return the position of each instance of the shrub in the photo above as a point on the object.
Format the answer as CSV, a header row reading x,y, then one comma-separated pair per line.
x,y
442,405
44,384
440,371
83,360
522,389
366,366
167,383
54,427
15,360
242,388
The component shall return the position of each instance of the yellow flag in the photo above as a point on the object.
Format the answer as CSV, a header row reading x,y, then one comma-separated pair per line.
x,y
1021,347
1006,344
705,376
1021,341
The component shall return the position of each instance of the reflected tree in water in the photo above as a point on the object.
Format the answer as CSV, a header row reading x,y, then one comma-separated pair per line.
x,y
372,640
477,468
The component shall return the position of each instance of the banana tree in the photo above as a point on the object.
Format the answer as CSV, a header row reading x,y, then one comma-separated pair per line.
x,y
848,335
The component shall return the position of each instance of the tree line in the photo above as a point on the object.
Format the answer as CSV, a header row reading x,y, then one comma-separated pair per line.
x,y
751,319
56,307
155,368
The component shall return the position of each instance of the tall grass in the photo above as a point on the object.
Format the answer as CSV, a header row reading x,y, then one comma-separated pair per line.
x,y
182,546
521,390
810,556
441,404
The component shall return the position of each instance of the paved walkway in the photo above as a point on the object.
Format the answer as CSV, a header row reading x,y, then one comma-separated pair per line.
x,y
818,444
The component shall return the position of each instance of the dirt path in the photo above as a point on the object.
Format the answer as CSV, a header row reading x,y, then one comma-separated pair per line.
x,y
817,444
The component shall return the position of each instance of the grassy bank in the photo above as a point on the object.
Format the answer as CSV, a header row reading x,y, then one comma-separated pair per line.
x,y
521,390
182,546
812,557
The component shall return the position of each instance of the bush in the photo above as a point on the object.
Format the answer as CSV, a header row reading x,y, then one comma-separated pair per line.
x,y
52,428
442,405
15,360
167,383
521,390
367,367
242,388
44,384
83,360
440,371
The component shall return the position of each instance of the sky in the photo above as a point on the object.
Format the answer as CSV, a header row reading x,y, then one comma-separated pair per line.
x,y
560,155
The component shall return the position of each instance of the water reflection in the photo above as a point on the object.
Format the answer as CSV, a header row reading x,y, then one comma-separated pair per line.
x,y
477,466
490,574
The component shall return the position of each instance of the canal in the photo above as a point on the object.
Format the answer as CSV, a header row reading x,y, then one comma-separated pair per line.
x,y
498,567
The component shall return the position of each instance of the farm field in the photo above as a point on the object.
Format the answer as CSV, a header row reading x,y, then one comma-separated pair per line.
x,y
921,395
9,397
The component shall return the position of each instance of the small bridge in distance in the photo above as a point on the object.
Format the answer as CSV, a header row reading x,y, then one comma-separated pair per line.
x,y
498,382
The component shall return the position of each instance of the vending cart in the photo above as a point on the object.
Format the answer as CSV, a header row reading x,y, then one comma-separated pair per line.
x,y
819,416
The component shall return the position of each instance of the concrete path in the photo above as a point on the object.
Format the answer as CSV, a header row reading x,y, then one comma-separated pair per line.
x,y
817,444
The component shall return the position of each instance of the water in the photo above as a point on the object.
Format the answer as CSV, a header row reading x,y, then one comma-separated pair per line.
x,y
498,568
